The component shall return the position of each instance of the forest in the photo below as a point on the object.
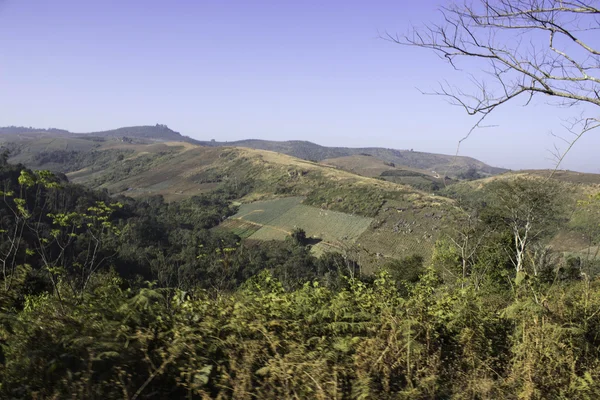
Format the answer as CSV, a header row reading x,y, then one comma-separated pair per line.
x,y
110,297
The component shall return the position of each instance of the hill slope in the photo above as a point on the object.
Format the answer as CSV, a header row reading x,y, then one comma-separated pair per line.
x,y
442,164
573,236
376,168
344,211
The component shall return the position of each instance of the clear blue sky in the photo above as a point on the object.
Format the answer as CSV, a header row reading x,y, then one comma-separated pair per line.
x,y
228,70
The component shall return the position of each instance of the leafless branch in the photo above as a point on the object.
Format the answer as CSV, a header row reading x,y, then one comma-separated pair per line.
x,y
523,48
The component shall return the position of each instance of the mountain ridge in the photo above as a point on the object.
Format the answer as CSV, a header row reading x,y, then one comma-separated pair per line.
x,y
439,163
414,159
157,132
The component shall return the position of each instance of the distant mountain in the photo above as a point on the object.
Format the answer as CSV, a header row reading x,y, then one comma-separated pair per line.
x,y
157,132
438,164
19,130
441,163
153,132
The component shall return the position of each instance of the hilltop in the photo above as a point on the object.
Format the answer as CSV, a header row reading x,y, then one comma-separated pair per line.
x,y
440,163
157,132
428,163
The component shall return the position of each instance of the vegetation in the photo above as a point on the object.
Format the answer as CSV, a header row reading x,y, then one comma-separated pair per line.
x,y
118,298
70,160
311,151
415,179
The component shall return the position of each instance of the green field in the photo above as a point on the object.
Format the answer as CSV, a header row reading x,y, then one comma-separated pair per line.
x,y
263,212
277,218
239,227
328,225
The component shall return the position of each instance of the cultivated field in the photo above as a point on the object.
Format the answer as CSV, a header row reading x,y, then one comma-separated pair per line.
x,y
263,212
331,226
277,218
239,227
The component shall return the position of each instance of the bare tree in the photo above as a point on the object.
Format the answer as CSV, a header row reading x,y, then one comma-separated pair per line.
x,y
468,236
531,210
526,48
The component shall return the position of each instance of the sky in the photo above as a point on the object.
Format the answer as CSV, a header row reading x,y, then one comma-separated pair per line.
x,y
276,70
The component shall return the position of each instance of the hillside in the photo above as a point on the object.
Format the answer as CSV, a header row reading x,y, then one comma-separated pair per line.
x,y
342,210
397,220
439,163
403,218
575,187
442,164
376,168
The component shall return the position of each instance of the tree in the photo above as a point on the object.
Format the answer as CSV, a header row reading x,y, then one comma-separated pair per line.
x,y
470,174
527,47
299,236
4,155
530,208
468,236
587,217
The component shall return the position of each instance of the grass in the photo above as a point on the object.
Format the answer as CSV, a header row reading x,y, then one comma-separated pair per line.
x,y
570,176
374,167
405,228
266,233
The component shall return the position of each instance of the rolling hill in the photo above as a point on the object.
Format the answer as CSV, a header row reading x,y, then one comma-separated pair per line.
x,y
360,203
340,210
365,201
156,132
443,164
440,163
345,211
376,168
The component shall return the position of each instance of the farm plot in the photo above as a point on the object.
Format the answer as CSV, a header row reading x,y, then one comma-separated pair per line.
x,y
325,224
239,227
330,226
275,220
265,233
263,212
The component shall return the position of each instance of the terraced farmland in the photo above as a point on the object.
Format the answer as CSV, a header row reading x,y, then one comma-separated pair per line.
x,y
263,212
277,218
328,225
239,227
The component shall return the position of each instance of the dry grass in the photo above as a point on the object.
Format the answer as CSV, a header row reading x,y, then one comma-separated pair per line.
x,y
369,166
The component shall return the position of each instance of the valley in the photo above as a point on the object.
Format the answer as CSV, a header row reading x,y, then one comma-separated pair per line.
x,y
348,211
357,203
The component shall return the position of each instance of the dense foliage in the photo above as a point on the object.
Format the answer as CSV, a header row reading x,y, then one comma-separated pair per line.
x,y
115,298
